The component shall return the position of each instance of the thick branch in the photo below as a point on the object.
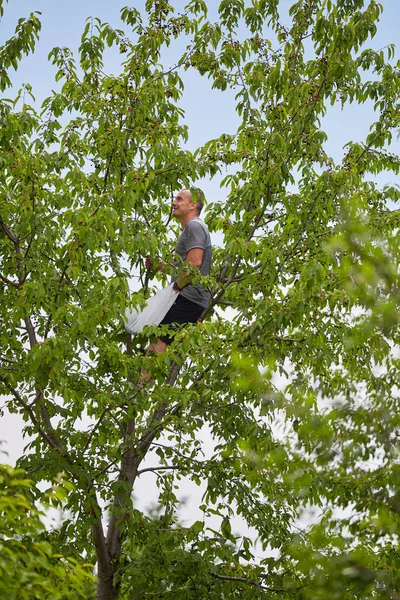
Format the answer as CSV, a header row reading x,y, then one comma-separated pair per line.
x,y
9,282
31,331
8,231
103,557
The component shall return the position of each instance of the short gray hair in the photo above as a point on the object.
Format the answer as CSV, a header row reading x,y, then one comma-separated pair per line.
x,y
198,198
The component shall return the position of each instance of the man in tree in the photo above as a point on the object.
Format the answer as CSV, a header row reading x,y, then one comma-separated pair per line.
x,y
193,248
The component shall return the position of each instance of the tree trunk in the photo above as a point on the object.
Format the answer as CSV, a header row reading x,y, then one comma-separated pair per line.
x,y
109,548
105,565
105,585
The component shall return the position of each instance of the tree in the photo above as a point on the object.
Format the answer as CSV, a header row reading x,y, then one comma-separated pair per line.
x,y
311,273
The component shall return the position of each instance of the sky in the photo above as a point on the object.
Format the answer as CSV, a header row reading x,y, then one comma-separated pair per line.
x,y
209,113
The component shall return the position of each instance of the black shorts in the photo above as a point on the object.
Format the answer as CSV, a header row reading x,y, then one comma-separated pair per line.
x,y
182,311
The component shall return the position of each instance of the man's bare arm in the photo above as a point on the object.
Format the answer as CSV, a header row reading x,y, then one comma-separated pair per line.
x,y
194,258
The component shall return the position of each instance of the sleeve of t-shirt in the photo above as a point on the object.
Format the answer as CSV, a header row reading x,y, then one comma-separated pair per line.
x,y
196,236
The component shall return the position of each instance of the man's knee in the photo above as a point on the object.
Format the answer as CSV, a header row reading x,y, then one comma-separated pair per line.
x,y
158,348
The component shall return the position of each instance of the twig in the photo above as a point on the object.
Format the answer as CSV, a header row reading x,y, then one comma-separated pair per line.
x,y
245,580
95,428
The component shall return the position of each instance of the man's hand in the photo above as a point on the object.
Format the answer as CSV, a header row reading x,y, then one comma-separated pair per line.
x,y
156,265
149,262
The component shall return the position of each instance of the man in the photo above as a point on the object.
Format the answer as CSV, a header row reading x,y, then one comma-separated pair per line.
x,y
193,248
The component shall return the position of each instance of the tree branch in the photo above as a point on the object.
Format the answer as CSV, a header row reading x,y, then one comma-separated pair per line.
x,y
166,468
31,331
260,586
49,318
103,557
8,231
48,436
9,282
95,428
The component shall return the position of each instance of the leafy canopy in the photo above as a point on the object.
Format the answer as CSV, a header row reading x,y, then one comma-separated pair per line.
x,y
30,566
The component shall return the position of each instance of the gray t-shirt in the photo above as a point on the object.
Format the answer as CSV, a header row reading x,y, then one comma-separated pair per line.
x,y
195,235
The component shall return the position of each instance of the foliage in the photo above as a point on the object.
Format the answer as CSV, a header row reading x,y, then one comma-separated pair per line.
x,y
29,565
309,261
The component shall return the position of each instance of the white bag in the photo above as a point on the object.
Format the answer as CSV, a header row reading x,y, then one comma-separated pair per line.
x,y
155,310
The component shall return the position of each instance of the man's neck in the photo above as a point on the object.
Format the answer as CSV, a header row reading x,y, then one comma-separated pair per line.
x,y
185,220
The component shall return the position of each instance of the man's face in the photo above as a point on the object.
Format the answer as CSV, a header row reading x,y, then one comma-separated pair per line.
x,y
182,204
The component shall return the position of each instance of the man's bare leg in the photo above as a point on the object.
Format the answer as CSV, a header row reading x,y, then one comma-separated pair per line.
x,y
159,347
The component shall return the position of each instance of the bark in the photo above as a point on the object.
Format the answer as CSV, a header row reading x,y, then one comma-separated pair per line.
x,y
105,586
106,589
105,574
